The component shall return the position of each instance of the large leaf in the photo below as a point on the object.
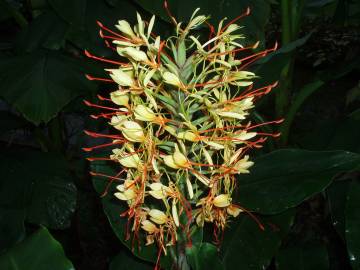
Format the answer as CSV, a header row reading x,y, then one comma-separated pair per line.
x,y
113,208
125,260
82,16
40,251
336,195
39,185
284,178
40,84
247,247
204,256
270,67
48,31
310,257
182,10
352,221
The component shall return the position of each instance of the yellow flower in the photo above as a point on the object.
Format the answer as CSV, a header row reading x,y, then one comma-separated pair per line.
x,y
243,165
176,160
125,28
133,53
157,216
119,98
233,210
171,78
128,160
222,200
188,135
127,191
148,226
175,214
132,131
143,113
159,191
120,77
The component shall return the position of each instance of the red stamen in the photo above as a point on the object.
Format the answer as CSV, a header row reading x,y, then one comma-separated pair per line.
x,y
261,226
160,50
104,60
110,183
274,135
107,115
110,31
89,149
97,159
87,103
107,44
105,175
265,123
99,135
90,78
246,13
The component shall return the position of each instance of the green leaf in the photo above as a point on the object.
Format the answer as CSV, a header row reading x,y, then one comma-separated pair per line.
x,y
247,247
270,67
352,221
182,10
309,257
204,256
305,92
125,260
284,178
40,84
39,184
113,209
46,31
82,16
40,251
336,195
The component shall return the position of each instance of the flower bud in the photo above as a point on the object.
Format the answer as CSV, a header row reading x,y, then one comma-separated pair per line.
x,y
148,226
120,77
222,200
119,98
243,165
233,210
157,216
175,214
135,54
187,135
143,113
171,78
125,28
132,131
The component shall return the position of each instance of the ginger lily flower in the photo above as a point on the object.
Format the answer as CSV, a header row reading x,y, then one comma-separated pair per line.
x,y
180,116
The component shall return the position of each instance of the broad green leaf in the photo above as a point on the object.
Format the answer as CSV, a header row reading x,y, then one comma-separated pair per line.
x,y
270,67
39,184
40,84
339,134
352,221
182,10
305,92
247,247
113,208
309,257
204,256
125,260
47,30
40,251
82,16
284,178
336,195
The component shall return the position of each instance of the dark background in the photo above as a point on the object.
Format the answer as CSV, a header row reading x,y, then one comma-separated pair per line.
x,y
44,177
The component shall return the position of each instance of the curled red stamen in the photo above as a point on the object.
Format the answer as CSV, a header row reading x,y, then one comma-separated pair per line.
x,y
246,13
